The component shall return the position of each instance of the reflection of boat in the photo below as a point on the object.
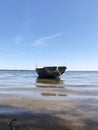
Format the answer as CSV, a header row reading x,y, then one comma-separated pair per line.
x,y
50,83
53,94
50,72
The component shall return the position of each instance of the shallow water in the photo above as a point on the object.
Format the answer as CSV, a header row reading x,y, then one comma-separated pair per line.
x,y
81,84
78,90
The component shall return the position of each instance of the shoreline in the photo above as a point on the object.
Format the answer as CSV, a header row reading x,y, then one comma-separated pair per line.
x,y
35,104
32,114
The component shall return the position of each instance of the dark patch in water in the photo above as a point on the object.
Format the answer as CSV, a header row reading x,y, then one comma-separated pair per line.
x,y
53,94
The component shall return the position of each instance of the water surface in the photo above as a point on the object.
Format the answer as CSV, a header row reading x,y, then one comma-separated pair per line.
x,y
73,97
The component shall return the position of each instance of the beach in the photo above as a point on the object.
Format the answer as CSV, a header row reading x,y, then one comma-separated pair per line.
x,y
44,114
46,104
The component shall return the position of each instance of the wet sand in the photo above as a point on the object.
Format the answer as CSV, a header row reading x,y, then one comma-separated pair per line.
x,y
58,109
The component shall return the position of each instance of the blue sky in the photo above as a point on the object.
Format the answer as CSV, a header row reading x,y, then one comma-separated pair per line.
x,y
49,32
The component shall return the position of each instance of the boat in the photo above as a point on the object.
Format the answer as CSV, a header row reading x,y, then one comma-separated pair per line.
x,y
50,71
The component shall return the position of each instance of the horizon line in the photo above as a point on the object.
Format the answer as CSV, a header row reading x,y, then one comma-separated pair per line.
x,y
35,68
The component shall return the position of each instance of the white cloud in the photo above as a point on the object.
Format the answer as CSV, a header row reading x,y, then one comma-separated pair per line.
x,y
42,40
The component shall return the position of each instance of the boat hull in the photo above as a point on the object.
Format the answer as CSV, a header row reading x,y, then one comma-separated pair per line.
x,y
50,72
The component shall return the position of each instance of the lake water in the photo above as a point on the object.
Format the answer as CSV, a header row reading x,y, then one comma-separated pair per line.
x,y
76,94
81,84
29,77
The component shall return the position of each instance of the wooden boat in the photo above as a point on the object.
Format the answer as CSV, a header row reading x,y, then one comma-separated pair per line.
x,y
50,71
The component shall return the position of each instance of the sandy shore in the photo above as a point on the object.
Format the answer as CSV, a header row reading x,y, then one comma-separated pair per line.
x,y
34,114
41,108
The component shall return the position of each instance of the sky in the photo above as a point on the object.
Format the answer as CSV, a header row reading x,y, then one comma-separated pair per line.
x,y
49,33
